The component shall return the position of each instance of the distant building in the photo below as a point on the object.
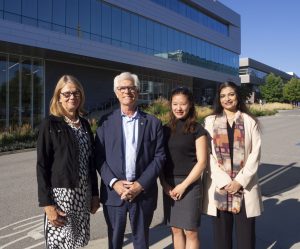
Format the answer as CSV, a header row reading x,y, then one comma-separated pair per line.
x,y
253,73
293,74
167,43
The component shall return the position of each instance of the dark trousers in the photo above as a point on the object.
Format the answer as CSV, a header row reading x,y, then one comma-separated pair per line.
x,y
244,230
140,219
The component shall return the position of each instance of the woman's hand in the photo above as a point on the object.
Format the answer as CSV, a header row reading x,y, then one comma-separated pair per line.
x,y
177,192
56,217
95,204
233,187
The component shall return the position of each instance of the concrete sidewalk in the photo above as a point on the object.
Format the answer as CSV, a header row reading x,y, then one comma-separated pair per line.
x,y
277,227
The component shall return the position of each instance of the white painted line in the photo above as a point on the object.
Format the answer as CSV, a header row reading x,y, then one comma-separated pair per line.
x,y
2,228
270,174
28,228
274,175
162,243
12,242
29,223
36,235
33,246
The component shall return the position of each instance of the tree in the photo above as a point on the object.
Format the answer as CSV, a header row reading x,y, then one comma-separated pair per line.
x,y
272,89
291,90
245,91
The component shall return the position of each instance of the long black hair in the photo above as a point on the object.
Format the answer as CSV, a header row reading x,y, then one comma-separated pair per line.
x,y
241,106
191,117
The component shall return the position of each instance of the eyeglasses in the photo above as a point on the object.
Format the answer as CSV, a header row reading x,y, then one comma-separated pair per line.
x,y
67,95
123,89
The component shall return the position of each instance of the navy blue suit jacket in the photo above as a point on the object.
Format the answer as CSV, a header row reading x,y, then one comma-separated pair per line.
x,y
110,156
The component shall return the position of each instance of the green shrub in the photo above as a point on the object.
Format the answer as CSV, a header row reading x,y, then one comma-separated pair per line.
x,y
15,138
94,124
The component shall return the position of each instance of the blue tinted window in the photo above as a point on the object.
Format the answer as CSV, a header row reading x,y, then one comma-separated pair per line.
x,y
1,4
59,13
125,26
188,44
194,14
45,11
182,8
12,17
29,21
171,47
44,25
150,34
176,40
30,8
164,39
72,14
182,42
13,6
134,31
106,21
157,37
96,17
194,46
116,17
84,16
142,32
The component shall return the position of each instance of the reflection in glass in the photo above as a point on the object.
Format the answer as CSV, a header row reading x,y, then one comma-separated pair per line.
x,y
26,97
14,90
102,22
38,91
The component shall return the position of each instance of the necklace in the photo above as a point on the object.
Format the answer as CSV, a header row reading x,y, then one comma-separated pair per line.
x,y
69,121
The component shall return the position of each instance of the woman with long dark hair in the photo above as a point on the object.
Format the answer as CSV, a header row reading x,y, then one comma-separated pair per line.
x,y
232,193
186,150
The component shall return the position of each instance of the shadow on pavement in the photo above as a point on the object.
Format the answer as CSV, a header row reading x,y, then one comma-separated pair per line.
x,y
278,226
276,179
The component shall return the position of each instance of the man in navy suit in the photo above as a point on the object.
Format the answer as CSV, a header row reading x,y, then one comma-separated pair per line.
x,y
130,155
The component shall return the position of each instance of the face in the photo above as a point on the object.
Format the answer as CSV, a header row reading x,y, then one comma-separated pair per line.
x,y
127,93
180,106
70,97
228,99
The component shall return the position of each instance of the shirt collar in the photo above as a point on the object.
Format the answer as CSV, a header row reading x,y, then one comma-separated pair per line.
x,y
136,115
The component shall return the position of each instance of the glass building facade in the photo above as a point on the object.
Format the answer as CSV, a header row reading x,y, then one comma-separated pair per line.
x,y
167,43
253,72
99,21
21,90
195,14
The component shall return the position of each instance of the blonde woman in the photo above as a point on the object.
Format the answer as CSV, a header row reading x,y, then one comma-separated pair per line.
x,y
67,180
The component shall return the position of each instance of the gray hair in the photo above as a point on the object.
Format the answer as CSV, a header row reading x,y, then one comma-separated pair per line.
x,y
126,76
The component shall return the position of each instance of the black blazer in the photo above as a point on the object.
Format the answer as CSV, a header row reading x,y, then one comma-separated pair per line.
x,y
57,158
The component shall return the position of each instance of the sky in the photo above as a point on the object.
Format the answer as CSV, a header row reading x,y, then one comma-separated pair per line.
x,y
270,31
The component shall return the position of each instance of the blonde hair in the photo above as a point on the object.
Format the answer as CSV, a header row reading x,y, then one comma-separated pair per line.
x,y
126,76
55,106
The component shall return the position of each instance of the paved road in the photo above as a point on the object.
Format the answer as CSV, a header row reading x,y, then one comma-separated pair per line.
x,y
21,220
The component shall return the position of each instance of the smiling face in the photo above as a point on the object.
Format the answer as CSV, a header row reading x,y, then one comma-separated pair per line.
x,y
70,103
127,93
228,99
180,106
